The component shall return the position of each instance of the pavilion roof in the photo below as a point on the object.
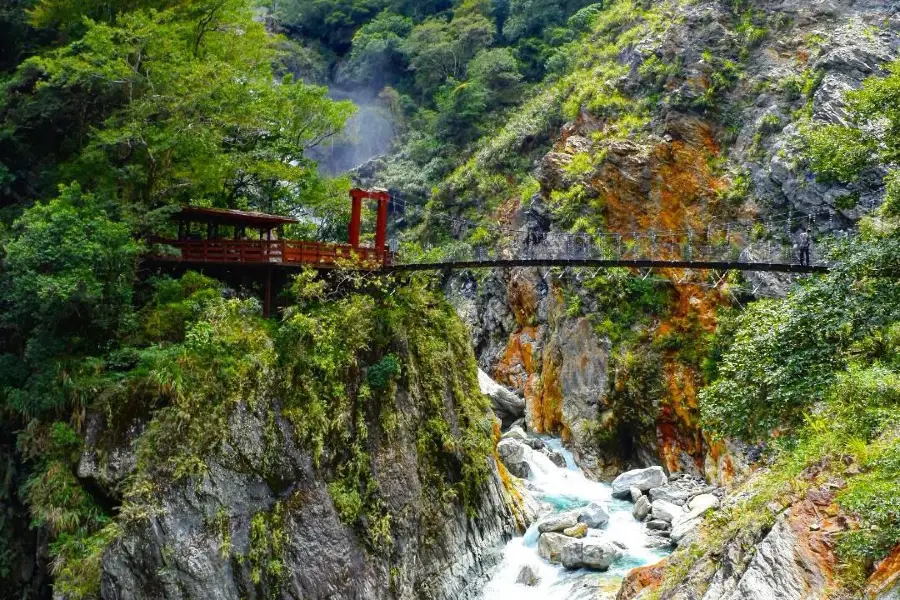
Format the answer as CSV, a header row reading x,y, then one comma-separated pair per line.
x,y
225,216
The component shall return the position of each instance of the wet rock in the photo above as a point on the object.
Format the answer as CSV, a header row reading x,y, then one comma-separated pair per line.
x,y
528,577
658,542
506,405
658,525
597,555
551,546
535,443
580,530
641,508
642,479
666,511
515,433
513,454
556,457
636,494
593,515
572,553
555,523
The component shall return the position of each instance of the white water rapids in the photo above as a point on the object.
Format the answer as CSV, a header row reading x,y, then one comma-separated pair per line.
x,y
566,489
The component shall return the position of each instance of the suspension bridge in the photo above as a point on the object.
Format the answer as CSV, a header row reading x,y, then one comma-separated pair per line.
x,y
754,244
758,244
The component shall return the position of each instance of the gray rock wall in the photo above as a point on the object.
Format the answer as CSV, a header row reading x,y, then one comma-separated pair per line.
x,y
260,523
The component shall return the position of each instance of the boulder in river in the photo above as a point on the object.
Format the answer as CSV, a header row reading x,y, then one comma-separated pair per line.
x,y
594,515
556,457
666,511
641,508
588,553
558,522
595,554
551,545
636,493
513,454
515,433
506,404
642,479
528,577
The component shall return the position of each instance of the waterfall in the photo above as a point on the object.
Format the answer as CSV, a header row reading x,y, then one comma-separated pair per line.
x,y
564,489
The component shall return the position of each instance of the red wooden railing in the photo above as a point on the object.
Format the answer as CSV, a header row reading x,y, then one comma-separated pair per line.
x,y
287,252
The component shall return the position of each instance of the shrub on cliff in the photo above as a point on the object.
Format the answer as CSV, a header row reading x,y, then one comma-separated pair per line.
x,y
785,354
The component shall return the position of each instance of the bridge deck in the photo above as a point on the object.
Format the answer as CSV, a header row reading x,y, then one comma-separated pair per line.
x,y
290,254
605,263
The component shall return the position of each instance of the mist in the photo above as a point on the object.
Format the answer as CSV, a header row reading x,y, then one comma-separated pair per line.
x,y
369,133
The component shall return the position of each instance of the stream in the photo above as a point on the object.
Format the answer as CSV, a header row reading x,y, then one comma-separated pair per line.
x,y
567,489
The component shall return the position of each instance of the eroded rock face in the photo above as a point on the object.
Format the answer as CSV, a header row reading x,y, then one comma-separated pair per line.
x,y
507,406
663,178
792,560
884,584
780,569
199,544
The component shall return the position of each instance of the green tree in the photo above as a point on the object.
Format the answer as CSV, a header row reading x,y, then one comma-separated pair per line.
x,y
439,50
460,111
67,287
842,152
176,106
333,22
496,71
784,354
376,58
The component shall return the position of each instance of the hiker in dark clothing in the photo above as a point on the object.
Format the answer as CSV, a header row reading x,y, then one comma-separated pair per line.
x,y
803,247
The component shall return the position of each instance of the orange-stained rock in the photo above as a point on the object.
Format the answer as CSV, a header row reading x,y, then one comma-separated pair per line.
x,y
523,299
642,578
519,360
884,584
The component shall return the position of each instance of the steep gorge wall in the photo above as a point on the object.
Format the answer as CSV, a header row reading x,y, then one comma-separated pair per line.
x,y
359,465
730,87
260,523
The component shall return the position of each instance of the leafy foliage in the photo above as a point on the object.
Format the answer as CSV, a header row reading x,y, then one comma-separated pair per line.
x,y
170,106
67,292
784,355
839,152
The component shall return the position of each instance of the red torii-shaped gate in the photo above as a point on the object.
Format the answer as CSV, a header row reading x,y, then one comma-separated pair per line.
x,y
383,197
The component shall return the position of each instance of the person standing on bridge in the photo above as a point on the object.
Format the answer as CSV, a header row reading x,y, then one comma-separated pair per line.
x,y
803,246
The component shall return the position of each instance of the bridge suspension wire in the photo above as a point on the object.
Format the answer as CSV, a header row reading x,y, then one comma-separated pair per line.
x,y
790,218
758,243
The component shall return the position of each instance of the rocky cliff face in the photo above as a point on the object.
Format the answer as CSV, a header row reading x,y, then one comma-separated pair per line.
x,y
261,523
726,90
783,548
359,467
